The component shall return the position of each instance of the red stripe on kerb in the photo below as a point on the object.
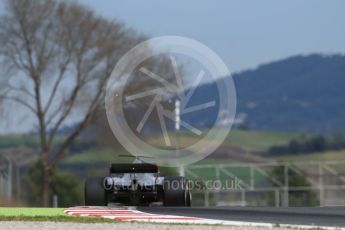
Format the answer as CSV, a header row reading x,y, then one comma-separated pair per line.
x,y
158,218
115,214
94,211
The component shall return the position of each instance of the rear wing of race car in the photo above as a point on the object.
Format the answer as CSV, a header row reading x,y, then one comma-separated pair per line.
x,y
134,168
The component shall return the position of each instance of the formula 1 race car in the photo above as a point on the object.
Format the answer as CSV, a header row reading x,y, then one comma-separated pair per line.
x,y
137,184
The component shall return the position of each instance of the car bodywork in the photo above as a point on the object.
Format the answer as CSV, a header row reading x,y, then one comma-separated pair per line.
x,y
137,184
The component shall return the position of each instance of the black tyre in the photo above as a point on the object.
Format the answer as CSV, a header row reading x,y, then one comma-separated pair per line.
x,y
94,193
189,198
176,192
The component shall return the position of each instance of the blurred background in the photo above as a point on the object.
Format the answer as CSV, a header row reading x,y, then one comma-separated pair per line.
x,y
287,58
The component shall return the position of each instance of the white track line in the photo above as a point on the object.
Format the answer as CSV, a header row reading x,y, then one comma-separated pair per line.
x,y
124,213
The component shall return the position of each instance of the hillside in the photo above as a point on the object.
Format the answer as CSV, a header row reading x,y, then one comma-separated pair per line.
x,y
302,93
299,94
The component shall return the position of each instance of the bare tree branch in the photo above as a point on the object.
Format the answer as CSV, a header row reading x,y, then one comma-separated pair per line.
x,y
19,100
18,90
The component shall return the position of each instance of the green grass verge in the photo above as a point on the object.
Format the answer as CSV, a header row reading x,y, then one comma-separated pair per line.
x,y
31,211
45,214
58,219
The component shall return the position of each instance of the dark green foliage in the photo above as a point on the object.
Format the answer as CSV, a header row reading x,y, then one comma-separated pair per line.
x,y
67,187
81,145
24,140
310,145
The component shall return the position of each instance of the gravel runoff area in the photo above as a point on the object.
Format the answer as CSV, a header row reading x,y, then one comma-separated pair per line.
x,y
27,225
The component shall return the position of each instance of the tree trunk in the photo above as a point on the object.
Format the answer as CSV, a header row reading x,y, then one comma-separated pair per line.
x,y
46,185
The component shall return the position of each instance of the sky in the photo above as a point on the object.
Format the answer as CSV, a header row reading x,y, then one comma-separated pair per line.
x,y
243,33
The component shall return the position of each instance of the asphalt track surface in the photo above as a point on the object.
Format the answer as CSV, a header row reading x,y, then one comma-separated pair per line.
x,y
330,216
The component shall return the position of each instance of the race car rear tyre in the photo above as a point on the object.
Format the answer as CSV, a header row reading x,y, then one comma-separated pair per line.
x,y
189,198
176,192
94,193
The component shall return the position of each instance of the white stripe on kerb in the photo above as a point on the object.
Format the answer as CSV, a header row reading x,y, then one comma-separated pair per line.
x,y
130,214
